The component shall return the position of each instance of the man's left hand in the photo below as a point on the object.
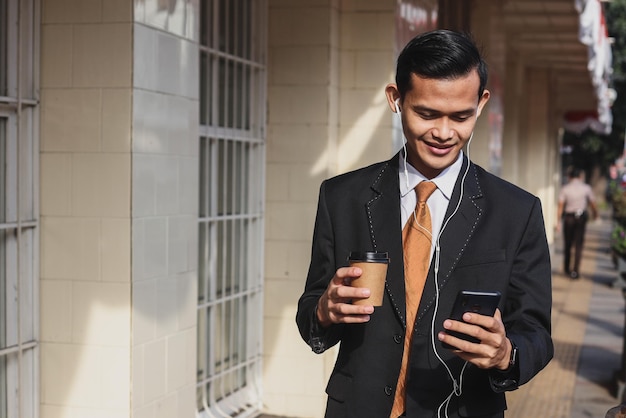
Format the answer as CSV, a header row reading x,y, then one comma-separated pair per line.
x,y
494,349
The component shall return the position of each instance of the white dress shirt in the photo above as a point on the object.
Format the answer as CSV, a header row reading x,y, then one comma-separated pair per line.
x,y
437,202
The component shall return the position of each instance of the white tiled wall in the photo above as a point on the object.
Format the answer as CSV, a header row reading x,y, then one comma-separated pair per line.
x,y
85,209
327,114
180,18
367,65
119,192
164,208
119,122
162,62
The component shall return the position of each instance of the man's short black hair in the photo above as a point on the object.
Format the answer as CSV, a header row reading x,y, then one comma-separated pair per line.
x,y
440,54
574,172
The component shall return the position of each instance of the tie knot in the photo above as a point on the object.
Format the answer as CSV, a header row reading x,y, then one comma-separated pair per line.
x,y
424,190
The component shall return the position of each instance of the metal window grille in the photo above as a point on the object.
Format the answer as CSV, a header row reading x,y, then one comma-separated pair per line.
x,y
232,176
18,209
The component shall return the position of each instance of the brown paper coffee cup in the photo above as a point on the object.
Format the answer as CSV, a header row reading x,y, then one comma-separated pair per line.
x,y
374,267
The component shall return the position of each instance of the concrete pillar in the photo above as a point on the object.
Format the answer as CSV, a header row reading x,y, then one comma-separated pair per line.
x,y
514,112
532,157
487,29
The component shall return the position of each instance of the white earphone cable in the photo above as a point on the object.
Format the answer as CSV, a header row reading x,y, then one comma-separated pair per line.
x,y
457,385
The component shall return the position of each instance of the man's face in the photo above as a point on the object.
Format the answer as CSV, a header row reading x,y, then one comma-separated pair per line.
x,y
438,118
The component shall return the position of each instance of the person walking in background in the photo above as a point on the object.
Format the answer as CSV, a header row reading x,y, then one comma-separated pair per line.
x,y
575,198
448,226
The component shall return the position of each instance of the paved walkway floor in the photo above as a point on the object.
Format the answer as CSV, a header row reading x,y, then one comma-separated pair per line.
x,y
588,324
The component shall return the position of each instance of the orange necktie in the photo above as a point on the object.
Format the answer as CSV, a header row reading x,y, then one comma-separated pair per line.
x,y
416,242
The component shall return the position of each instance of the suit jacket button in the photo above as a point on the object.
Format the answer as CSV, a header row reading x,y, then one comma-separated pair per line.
x,y
388,390
398,338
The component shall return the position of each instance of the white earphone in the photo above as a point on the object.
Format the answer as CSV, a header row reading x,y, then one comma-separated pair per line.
x,y
397,102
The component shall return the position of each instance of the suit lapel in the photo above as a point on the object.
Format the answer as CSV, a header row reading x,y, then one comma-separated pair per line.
x,y
383,211
456,234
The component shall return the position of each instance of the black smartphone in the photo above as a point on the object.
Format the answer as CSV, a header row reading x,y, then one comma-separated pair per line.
x,y
483,303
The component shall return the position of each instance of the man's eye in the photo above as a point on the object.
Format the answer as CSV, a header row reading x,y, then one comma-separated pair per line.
x,y
455,118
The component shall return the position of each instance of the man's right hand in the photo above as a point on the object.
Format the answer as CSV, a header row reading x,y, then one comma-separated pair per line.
x,y
334,306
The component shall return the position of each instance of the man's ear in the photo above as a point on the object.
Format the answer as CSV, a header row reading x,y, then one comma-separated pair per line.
x,y
393,97
482,102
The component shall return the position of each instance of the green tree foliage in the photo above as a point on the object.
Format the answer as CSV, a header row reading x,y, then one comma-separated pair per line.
x,y
616,23
590,149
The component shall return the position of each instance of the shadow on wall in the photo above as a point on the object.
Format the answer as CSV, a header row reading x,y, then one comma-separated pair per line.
x,y
353,144
91,330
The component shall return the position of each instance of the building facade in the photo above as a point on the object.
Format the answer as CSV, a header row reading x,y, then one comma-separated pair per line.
x,y
162,160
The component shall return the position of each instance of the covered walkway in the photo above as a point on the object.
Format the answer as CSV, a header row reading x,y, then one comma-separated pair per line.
x,y
588,324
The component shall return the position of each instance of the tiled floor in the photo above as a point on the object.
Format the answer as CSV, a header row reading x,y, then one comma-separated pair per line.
x,y
588,324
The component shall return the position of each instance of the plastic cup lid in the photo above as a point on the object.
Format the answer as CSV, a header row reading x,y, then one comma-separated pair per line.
x,y
369,257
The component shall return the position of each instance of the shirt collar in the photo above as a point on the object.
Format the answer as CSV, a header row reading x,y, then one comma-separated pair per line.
x,y
445,180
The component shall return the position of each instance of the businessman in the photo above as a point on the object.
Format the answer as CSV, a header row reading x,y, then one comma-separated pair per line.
x,y
448,226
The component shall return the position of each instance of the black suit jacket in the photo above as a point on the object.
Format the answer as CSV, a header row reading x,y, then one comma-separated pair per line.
x,y
495,241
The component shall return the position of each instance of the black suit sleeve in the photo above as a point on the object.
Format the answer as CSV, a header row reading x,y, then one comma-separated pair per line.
x,y
528,308
321,271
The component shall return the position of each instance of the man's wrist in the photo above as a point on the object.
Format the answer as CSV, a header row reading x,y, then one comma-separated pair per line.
x,y
511,358
506,379
324,322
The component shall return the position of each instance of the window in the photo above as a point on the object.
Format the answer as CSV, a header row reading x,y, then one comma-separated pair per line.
x,y
3,273
18,210
232,160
